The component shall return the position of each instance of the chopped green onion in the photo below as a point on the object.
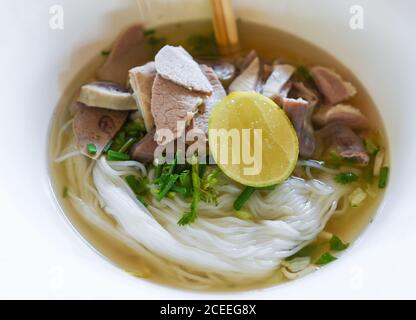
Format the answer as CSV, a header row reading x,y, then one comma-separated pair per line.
x,y
185,179
138,187
191,216
383,178
336,244
108,145
127,145
243,198
134,129
346,177
117,156
243,215
325,259
371,147
167,187
130,130
182,190
357,197
91,149
65,192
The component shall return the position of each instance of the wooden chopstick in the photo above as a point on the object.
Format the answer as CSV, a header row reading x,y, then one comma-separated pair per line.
x,y
225,25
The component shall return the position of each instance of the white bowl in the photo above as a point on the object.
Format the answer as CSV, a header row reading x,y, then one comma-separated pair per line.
x,y
41,255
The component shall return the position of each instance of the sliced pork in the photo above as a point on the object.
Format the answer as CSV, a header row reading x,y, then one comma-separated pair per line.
x,y
340,141
299,90
300,108
144,150
332,86
177,65
128,51
249,77
106,95
275,84
173,107
201,118
341,113
96,126
298,111
141,81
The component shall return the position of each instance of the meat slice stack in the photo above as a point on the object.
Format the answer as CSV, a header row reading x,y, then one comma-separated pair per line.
x,y
181,97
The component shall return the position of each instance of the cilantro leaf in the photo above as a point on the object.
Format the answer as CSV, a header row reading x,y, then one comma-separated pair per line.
x,y
346,177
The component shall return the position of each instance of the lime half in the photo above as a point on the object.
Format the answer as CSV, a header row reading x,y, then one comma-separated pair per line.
x,y
252,140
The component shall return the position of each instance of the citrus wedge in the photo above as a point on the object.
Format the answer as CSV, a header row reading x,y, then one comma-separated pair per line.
x,y
252,140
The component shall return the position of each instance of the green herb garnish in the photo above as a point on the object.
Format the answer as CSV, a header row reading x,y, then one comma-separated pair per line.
x,y
139,187
91,149
326,258
371,147
383,178
131,130
191,216
304,73
208,192
117,156
167,186
105,52
243,198
181,190
336,244
185,181
126,146
346,177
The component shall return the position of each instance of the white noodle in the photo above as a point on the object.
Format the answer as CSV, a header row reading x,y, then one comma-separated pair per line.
x,y
218,243
218,249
